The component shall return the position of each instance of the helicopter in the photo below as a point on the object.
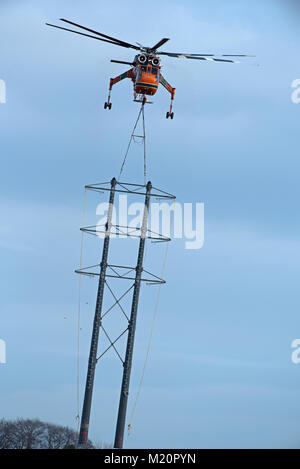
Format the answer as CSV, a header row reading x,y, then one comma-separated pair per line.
x,y
145,71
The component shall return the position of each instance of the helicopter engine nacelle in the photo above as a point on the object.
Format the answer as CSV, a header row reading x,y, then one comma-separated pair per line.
x,y
142,59
155,61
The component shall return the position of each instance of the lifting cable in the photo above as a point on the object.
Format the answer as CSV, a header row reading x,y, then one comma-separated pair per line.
x,y
133,137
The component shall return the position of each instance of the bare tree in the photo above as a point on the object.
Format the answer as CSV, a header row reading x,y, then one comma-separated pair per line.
x,y
34,434
6,434
28,434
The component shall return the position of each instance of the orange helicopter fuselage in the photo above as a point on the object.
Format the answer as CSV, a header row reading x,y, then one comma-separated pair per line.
x,y
146,79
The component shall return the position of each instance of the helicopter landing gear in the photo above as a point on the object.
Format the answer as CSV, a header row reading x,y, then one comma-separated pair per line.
x,y
107,104
171,91
170,113
113,81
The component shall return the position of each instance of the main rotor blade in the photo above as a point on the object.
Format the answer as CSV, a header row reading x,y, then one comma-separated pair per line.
x,y
195,57
121,62
241,55
160,43
210,59
222,55
123,43
82,34
182,55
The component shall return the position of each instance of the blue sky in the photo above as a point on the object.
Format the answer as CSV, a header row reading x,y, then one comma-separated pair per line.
x,y
220,373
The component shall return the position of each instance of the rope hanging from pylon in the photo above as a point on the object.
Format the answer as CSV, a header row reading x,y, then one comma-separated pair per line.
x,y
129,427
79,318
134,136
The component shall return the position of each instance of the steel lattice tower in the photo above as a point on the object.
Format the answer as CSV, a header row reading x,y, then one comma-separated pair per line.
x,y
105,270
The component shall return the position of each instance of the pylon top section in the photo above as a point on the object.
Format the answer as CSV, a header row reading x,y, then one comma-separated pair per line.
x,y
129,188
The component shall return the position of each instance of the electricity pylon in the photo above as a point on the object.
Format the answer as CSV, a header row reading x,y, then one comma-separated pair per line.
x,y
105,270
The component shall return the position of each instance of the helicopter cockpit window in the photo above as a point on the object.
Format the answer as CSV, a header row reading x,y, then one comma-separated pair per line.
x,y
143,69
154,71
